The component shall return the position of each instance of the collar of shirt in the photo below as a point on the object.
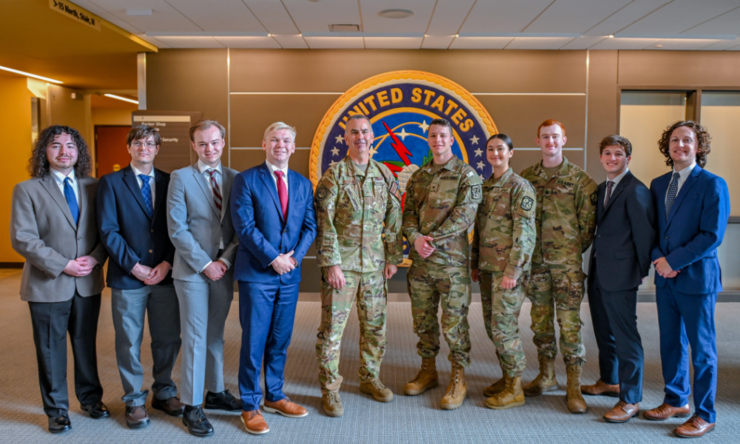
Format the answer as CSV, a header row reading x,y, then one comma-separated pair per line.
x,y
498,183
137,173
562,171
202,167
59,177
273,168
618,179
684,173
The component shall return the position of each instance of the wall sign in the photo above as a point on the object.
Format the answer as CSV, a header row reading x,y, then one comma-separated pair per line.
x,y
75,13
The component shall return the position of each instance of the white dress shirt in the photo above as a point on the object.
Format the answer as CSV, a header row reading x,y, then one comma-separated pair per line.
x,y
59,179
141,183
616,181
272,169
682,176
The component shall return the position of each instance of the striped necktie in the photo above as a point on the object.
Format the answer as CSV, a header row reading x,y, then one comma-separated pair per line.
x,y
216,190
146,191
672,192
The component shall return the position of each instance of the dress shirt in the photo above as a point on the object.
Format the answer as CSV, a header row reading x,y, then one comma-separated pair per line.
x,y
203,168
682,176
141,183
272,169
616,181
59,179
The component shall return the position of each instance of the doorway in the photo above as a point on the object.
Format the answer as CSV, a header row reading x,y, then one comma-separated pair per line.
x,y
110,148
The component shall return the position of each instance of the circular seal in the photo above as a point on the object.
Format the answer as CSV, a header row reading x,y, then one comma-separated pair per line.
x,y
527,203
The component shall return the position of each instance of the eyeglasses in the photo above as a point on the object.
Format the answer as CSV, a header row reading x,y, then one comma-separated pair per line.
x,y
147,144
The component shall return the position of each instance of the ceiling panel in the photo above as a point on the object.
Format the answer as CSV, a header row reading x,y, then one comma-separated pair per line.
x,y
448,17
584,42
437,41
538,42
680,15
626,16
164,17
501,16
727,23
317,16
290,41
248,42
272,15
191,42
335,42
107,15
393,42
372,22
219,16
480,42
568,16
617,43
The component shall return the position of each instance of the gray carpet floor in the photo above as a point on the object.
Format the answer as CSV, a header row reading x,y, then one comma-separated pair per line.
x,y
407,419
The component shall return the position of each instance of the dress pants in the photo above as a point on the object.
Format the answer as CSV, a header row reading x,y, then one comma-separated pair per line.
x,y
688,320
621,358
51,321
267,313
129,308
204,307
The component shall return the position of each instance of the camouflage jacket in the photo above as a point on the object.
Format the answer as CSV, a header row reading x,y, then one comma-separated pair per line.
x,y
442,205
505,231
351,208
566,213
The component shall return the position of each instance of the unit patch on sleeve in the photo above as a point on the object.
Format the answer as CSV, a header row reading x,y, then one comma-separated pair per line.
x,y
527,203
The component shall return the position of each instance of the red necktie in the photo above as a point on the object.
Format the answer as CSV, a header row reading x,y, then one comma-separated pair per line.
x,y
282,193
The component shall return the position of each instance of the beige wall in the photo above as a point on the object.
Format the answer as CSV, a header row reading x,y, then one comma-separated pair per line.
x,y
111,116
720,113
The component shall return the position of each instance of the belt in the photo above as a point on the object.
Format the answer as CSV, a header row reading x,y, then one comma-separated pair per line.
x,y
220,252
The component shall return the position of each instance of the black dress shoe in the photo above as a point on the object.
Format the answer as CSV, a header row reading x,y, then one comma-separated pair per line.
x,y
171,406
97,410
223,401
59,424
195,420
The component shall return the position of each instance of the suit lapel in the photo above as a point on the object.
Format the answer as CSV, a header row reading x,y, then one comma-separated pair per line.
x,y
133,185
600,202
617,191
161,193
685,188
266,177
205,187
52,188
227,179
292,192
82,192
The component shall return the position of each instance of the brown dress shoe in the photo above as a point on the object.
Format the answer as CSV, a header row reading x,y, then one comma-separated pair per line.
x,y
171,406
694,428
285,407
601,388
136,417
665,411
254,422
622,412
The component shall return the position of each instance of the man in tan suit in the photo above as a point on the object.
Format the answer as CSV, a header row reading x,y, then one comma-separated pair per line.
x,y
52,225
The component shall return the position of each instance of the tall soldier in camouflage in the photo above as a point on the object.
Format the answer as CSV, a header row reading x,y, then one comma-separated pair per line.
x,y
357,255
501,256
441,199
566,219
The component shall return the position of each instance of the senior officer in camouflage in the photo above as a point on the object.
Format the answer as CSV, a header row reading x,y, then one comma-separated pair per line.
x,y
354,199
441,199
566,219
501,256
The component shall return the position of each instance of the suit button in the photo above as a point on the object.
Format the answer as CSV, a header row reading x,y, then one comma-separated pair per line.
x,y
666,237
151,251
152,230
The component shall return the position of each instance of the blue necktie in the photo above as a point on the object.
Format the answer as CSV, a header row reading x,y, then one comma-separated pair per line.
x,y
146,191
69,194
672,192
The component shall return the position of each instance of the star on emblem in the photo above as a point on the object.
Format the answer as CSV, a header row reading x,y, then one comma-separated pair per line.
x,y
339,138
478,152
481,177
423,125
403,134
480,165
335,151
332,163
373,151
474,140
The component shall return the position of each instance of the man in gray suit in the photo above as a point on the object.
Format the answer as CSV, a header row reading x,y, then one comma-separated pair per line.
x,y
52,225
199,224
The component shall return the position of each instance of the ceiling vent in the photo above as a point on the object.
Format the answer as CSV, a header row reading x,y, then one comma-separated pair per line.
x,y
396,13
344,28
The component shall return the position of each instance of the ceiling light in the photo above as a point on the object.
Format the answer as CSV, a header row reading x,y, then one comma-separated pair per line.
x,y
125,99
344,28
28,74
396,13
658,46
611,36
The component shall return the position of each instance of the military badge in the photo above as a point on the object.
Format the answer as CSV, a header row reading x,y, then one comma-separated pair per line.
x,y
321,193
476,192
395,190
527,203
594,197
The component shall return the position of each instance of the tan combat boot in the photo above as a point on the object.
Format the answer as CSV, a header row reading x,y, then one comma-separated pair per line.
x,y
332,404
457,390
426,378
496,387
545,381
511,396
576,403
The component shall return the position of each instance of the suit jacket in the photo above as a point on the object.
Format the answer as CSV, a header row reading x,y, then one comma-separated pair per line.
x,y
127,231
620,253
688,238
263,234
43,231
195,225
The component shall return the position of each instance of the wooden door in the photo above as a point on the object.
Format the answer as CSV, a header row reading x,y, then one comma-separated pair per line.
x,y
110,148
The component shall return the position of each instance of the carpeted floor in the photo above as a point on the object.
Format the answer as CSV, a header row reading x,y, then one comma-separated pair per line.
x,y
407,419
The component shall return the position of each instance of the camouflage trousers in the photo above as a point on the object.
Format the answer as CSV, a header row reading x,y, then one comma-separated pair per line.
x,y
431,285
501,309
557,290
370,290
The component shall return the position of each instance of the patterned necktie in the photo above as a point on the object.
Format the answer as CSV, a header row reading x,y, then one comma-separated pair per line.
x,y
146,191
282,193
216,190
609,185
69,194
672,192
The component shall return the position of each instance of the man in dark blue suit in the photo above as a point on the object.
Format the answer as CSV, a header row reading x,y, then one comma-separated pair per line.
x,y
620,260
692,206
132,221
273,215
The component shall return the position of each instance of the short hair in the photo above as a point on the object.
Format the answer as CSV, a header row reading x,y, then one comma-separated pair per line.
x,y
277,126
441,122
204,125
616,139
550,122
703,140
38,164
506,139
360,117
143,132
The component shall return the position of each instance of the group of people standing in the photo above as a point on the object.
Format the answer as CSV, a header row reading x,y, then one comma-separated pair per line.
x,y
177,243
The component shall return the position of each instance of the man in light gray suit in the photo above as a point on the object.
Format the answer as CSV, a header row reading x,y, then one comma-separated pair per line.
x,y
200,227
52,225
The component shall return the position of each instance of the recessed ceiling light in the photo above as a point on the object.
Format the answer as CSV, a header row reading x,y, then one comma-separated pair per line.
x,y
28,74
125,99
396,13
658,46
611,36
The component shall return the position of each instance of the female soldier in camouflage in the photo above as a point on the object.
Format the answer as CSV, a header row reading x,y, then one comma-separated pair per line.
x,y
503,242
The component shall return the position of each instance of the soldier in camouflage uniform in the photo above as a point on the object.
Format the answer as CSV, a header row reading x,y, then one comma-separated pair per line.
x,y
441,200
566,219
354,199
501,256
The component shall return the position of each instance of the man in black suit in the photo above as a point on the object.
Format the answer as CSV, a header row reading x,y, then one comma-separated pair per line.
x,y
620,260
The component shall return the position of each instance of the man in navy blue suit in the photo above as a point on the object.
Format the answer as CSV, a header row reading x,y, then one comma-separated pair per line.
x,y
132,221
273,214
692,206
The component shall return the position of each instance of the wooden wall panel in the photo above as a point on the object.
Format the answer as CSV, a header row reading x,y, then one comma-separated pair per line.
x,y
603,106
244,159
679,68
